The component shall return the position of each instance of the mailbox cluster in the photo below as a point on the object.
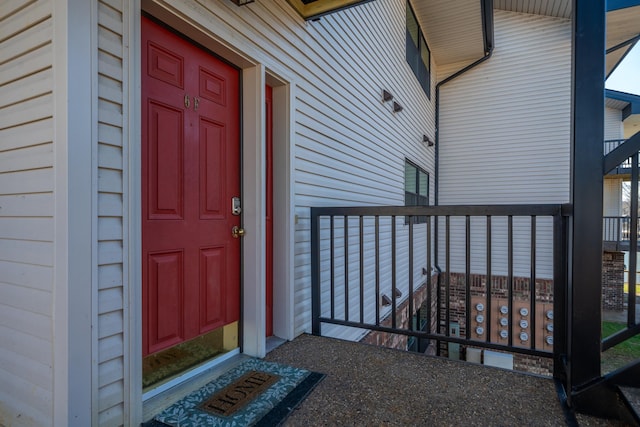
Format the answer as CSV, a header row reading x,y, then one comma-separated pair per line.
x,y
520,318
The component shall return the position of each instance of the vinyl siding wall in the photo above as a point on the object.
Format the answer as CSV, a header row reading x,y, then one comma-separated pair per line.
x,y
111,373
612,199
349,148
613,126
26,213
504,135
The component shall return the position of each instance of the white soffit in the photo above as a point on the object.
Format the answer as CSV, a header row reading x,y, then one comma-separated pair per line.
x,y
453,29
555,8
622,25
629,104
614,58
615,103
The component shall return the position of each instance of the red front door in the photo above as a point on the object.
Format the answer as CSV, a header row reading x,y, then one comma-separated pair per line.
x,y
190,173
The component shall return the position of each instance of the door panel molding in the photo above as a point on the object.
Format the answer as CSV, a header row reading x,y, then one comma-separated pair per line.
x,y
189,147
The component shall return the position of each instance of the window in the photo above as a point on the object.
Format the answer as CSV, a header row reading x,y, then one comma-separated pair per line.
x,y
419,321
418,53
416,188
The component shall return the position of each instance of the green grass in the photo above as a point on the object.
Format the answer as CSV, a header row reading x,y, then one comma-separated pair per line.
x,y
629,348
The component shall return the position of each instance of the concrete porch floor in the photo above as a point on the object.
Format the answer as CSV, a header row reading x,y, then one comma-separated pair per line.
x,y
373,386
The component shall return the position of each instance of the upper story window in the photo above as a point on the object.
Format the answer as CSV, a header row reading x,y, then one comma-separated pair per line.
x,y
418,53
416,188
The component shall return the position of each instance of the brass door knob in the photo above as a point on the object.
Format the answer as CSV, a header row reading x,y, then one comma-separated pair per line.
x,y
237,231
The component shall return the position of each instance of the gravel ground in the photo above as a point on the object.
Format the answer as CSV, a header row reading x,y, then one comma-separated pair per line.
x,y
373,386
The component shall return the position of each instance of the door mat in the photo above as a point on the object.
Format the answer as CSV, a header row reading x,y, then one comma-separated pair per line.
x,y
254,393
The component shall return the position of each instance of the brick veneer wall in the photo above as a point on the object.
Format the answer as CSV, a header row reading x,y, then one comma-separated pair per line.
x,y
612,297
403,318
613,281
457,301
499,288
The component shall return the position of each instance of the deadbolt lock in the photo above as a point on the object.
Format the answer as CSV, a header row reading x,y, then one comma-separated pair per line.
x,y
237,231
236,208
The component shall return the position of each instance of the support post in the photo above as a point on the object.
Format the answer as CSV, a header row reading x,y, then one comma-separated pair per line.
x,y
315,273
585,247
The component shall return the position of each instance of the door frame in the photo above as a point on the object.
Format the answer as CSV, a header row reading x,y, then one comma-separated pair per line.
x,y
194,23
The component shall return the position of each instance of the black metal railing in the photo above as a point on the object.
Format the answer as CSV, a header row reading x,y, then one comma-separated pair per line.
x,y
498,272
616,231
612,144
627,239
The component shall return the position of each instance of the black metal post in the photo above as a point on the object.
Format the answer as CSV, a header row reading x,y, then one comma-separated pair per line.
x,y
488,319
377,237
332,267
346,268
532,284
633,244
559,296
585,247
467,278
361,228
411,274
315,273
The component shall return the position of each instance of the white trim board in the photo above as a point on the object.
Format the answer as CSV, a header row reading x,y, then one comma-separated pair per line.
x,y
186,376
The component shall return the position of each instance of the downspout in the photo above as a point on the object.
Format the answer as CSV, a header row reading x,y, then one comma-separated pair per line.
x,y
487,30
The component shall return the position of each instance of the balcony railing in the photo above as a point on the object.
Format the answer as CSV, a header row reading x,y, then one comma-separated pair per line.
x,y
490,277
616,232
609,146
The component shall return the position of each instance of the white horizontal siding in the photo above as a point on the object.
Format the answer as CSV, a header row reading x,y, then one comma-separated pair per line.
x,y
612,200
612,190
26,213
613,126
504,125
111,361
349,147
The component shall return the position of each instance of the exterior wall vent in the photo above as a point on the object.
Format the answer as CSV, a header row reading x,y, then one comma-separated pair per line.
x,y
499,360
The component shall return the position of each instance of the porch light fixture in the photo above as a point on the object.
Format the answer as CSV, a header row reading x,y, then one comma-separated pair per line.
x,y
242,2
428,140
397,107
386,96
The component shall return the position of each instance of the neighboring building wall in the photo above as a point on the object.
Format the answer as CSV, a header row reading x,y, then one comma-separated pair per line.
x,y
612,262
612,200
612,281
504,132
612,193
26,213
613,126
